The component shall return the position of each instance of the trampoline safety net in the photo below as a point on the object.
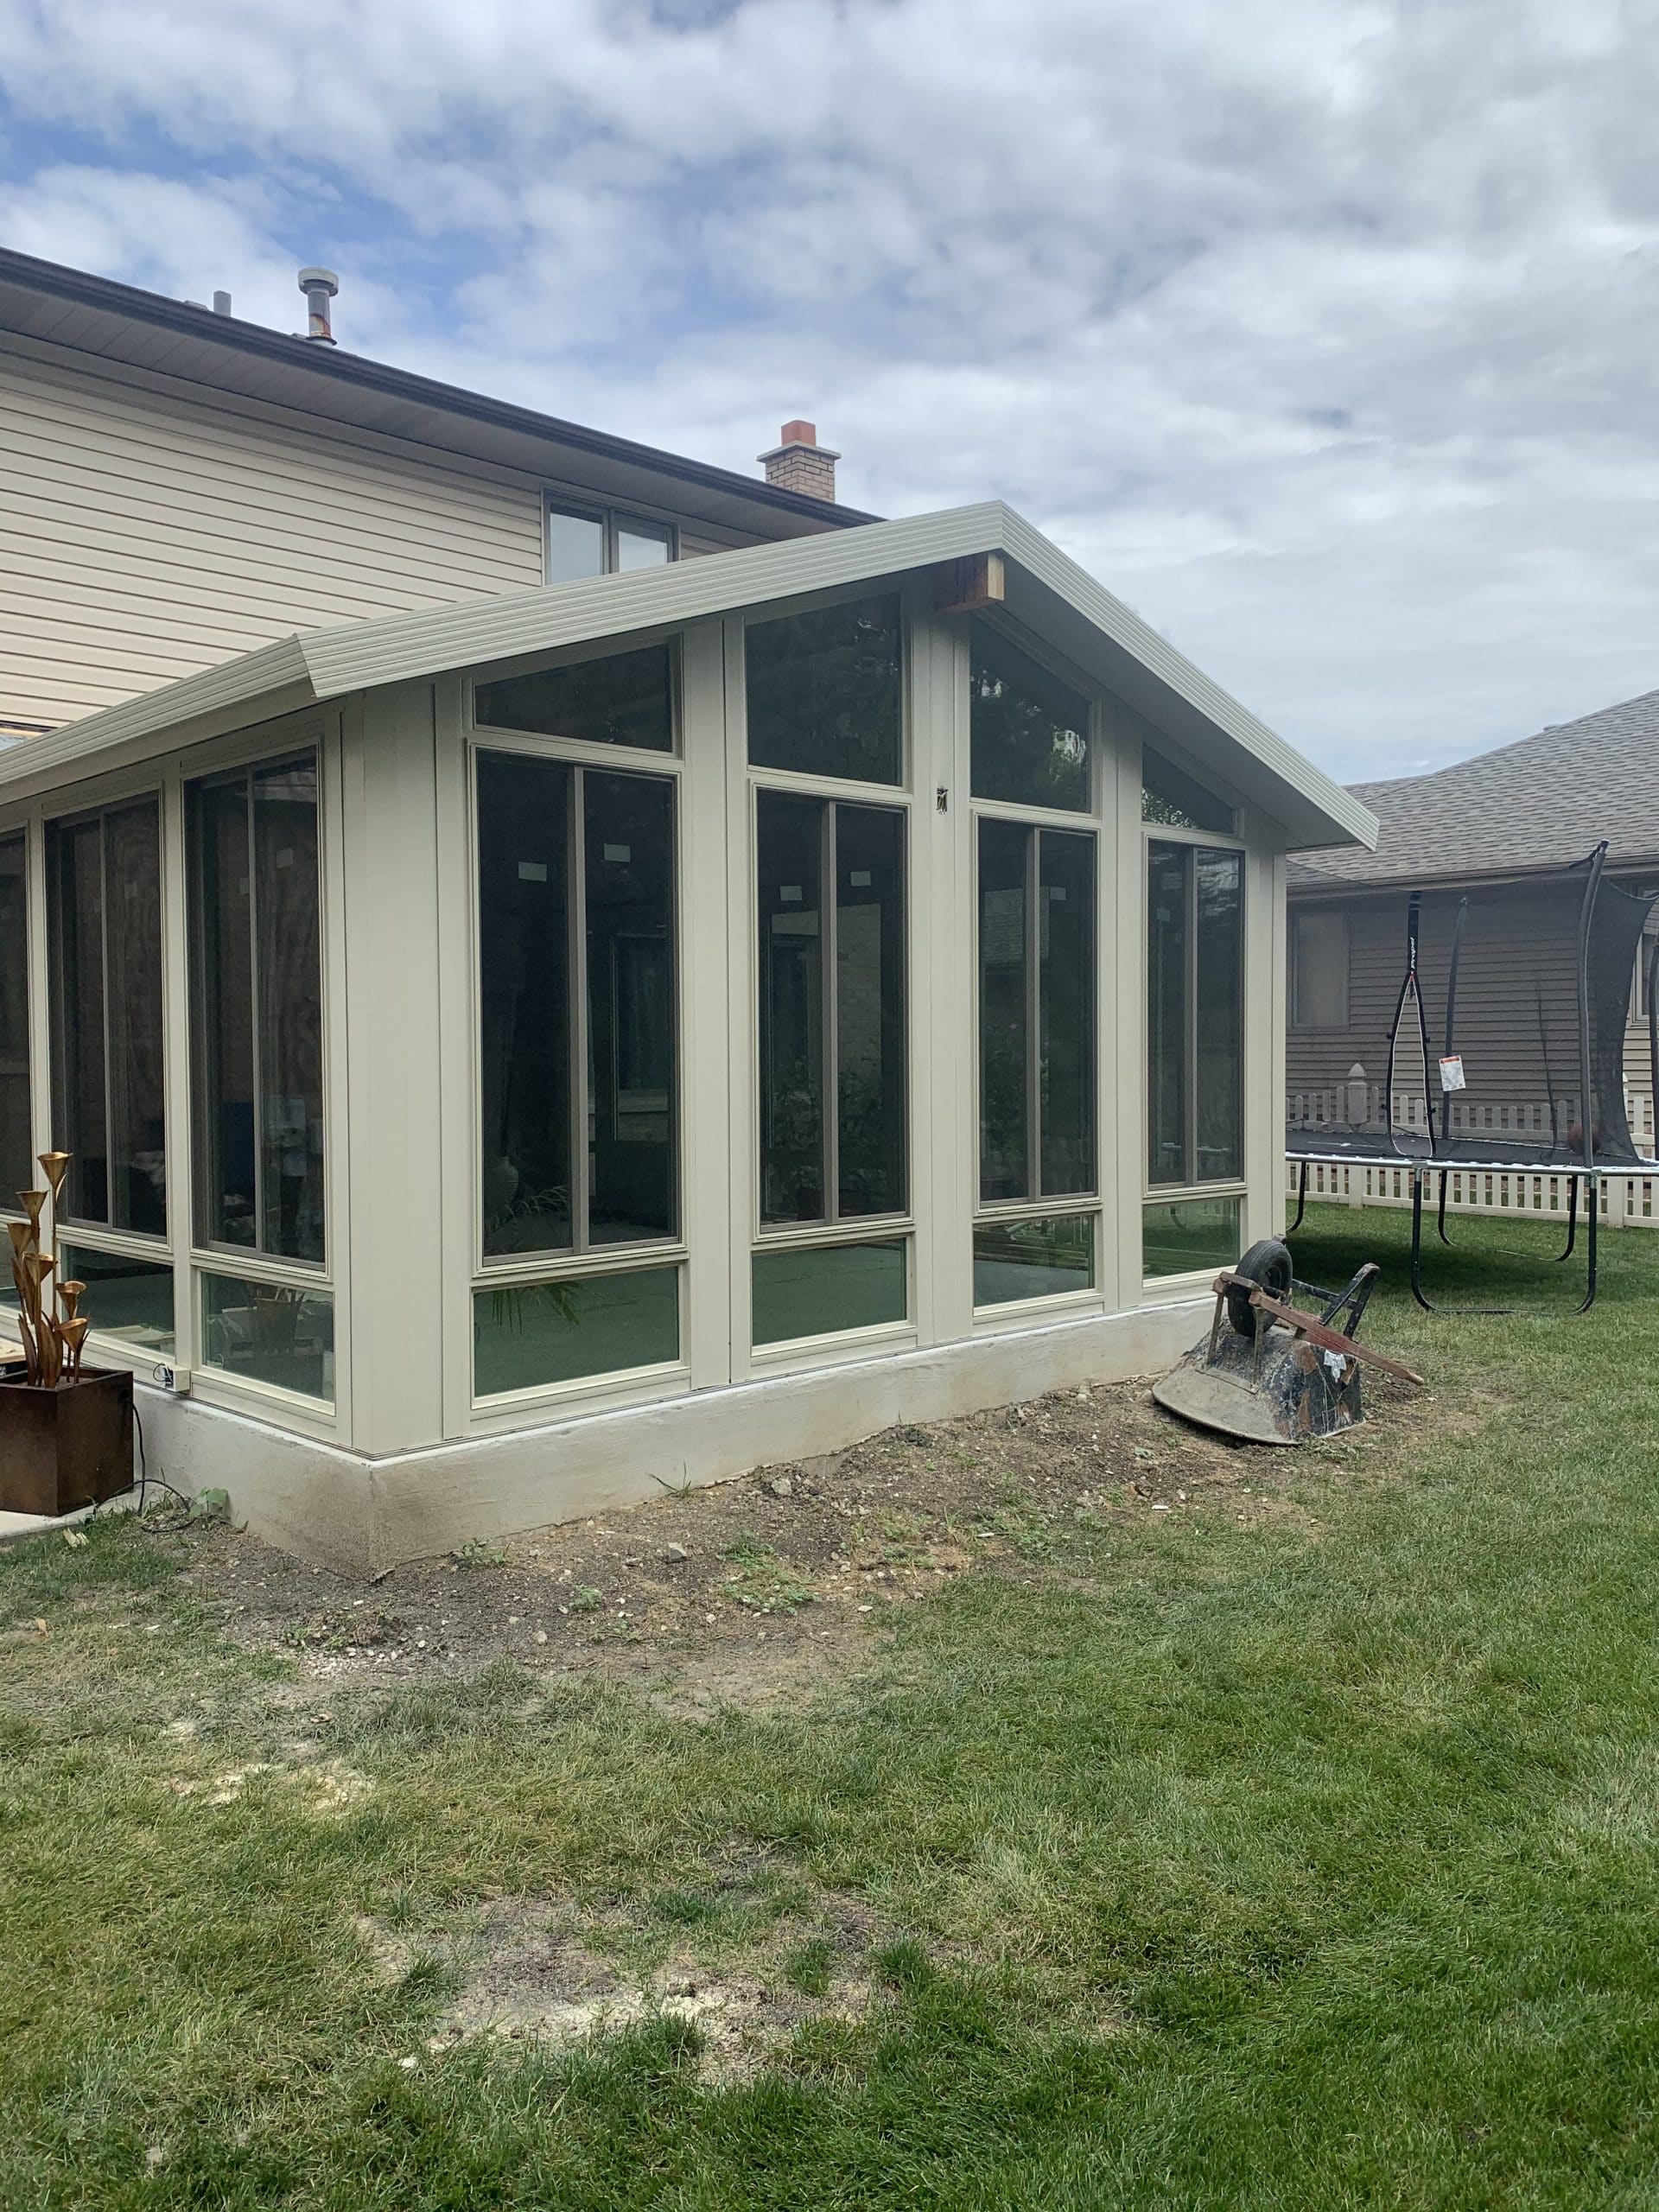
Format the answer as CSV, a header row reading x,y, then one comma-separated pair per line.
x,y
1497,1040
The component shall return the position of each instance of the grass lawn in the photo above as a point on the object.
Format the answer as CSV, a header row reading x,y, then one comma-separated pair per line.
x,y
1307,1861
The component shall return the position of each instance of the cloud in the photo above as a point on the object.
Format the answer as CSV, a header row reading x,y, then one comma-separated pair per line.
x,y
1320,329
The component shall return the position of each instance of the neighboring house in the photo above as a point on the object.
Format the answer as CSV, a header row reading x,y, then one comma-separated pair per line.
x,y
524,1049
1500,825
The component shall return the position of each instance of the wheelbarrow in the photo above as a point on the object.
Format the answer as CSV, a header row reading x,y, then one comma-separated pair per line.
x,y
1270,1372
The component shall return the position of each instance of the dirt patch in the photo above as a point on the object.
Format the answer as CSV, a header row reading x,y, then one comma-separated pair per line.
x,y
749,1592
537,1970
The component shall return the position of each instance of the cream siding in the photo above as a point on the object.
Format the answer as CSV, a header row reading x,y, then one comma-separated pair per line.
x,y
145,536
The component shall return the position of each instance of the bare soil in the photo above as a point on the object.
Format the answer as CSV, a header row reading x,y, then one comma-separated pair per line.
x,y
748,1592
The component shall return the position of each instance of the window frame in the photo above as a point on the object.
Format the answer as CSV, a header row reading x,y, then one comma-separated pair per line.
x,y
613,521
1222,1186
519,1270
24,831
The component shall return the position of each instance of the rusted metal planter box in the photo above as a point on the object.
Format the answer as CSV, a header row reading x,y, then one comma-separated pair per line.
x,y
62,1449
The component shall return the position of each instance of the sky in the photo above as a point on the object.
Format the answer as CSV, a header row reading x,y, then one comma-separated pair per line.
x,y
1326,332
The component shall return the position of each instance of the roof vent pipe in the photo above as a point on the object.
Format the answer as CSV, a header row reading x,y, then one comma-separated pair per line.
x,y
221,303
319,286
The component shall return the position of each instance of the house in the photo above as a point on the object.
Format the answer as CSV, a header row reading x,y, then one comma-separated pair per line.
x,y
1499,837
542,1010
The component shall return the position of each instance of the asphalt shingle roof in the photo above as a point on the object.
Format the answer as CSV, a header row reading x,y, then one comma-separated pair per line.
x,y
1543,803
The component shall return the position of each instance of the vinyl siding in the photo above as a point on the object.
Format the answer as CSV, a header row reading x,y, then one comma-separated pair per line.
x,y
143,536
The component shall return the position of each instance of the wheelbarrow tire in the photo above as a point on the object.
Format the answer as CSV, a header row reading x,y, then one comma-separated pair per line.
x,y
1266,1262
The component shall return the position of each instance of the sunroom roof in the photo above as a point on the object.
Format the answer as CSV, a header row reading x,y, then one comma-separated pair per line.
x,y
1048,591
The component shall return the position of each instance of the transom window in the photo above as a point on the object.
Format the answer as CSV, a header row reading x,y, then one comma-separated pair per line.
x,y
16,1160
600,541
1028,731
257,1009
1170,796
103,942
620,699
576,977
826,691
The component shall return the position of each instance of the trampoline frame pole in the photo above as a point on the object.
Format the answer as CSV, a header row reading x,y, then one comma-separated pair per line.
x,y
1302,1200
1417,1175
1592,1201
1572,1218
1439,1224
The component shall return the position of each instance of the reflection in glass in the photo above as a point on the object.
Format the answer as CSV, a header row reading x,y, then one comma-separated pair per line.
x,y
526,1336
825,691
622,699
256,1000
129,1299
80,1045
1166,1002
16,1154
1005,1100
1033,1258
1189,1234
824,1290
628,829
525,1005
642,545
1029,732
1168,794
275,1333
575,546
789,867
869,1010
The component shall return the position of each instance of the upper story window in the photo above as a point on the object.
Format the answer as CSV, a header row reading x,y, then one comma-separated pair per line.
x,y
16,1159
103,942
601,541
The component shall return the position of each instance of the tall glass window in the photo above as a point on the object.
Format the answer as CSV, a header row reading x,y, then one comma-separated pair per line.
x,y
104,894
257,1009
576,978
1195,941
17,1153
832,1018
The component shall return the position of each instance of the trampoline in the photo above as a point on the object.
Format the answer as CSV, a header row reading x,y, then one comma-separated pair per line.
x,y
1502,1050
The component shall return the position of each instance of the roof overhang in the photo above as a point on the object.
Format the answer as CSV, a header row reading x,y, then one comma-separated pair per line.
x,y
1045,590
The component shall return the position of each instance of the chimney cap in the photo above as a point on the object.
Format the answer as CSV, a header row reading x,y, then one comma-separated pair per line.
x,y
318,280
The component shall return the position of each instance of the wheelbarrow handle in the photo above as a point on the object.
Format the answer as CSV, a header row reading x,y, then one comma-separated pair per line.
x,y
1309,1325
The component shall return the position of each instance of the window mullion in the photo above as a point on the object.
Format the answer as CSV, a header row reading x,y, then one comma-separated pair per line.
x,y
576,907
1034,1018
830,1049
1191,1132
109,1040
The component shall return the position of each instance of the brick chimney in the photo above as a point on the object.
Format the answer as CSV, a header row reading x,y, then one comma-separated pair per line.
x,y
800,463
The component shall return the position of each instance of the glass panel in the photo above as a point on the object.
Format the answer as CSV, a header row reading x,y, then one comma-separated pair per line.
x,y
132,849
15,1151
524,899
289,965
129,1299
1029,731
1166,1003
1169,794
824,691
223,920
527,1335
1033,1258
629,833
820,1291
75,874
624,699
1193,1233
1004,1013
642,545
870,1009
1065,893
270,1332
1220,987
789,841
575,546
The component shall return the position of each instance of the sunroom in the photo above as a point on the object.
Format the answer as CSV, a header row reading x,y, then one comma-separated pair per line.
x,y
522,1055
